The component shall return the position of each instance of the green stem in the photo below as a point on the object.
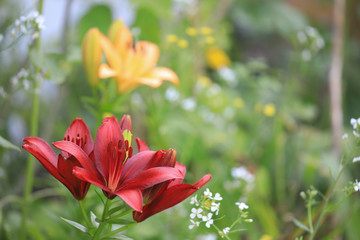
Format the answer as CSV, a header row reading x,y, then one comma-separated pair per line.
x,y
309,215
219,231
81,203
103,222
118,230
332,187
33,132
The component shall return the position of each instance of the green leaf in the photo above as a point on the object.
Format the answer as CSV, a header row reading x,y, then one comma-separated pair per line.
x,y
149,24
6,144
75,224
120,221
300,224
99,16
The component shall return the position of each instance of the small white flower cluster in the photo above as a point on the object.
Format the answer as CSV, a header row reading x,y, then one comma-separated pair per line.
x,y
356,125
22,77
357,186
228,75
311,42
30,24
204,209
242,173
243,207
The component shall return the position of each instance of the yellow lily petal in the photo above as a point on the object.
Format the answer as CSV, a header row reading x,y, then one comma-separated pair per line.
x,y
158,75
121,38
145,57
114,60
105,71
91,55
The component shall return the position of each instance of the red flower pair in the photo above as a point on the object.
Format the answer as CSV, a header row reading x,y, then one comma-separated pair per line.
x,y
155,177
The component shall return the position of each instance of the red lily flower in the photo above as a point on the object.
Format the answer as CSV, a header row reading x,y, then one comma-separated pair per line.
x,y
116,171
166,194
61,166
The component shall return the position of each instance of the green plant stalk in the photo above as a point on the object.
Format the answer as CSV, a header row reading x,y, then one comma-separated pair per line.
x,y
103,222
81,203
118,230
34,126
309,215
332,187
219,231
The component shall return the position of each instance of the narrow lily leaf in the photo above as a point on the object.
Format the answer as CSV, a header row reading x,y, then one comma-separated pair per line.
x,y
93,219
6,144
115,209
300,224
75,224
120,221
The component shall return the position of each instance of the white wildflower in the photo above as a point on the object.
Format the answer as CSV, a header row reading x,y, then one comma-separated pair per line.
x,y
194,200
217,197
208,219
208,194
306,55
194,224
356,134
172,94
345,136
357,186
242,205
353,122
249,220
356,159
242,173
226,230
189,104
301,36
215,207
196,213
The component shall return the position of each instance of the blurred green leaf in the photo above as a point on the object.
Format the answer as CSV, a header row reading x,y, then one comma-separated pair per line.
x,y
75,224
6,144
149,24
300,224
99,16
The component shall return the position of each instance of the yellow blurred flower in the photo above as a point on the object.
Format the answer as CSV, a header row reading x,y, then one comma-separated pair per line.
x,y
209,40
266,237
269,110
217,58
171,38
238,102
130,65
204,81
182,43
191,31
206,30
91,55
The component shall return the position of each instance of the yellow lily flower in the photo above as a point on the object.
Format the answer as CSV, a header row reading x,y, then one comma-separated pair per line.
x,y
130,65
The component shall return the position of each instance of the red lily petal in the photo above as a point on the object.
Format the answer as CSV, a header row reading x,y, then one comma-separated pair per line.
x,y
141,144
166,160
79,133
125,123
150,177
137,163
65,167
42,151
169,198
108,132
78,153
133,197
182,170
86,176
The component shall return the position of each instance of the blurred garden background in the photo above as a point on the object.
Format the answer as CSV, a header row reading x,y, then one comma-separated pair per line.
x,y
252,108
